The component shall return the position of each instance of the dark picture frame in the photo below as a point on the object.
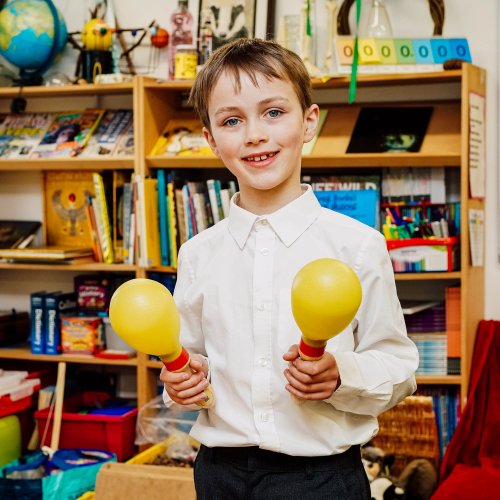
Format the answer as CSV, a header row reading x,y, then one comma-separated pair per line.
x,y
231,19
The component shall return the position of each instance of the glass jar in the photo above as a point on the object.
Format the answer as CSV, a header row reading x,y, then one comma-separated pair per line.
x,y
186,60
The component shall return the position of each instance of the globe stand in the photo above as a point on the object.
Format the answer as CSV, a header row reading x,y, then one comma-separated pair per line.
x,y
27,79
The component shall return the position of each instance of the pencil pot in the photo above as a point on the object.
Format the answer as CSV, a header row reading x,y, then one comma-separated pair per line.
x,y
417,255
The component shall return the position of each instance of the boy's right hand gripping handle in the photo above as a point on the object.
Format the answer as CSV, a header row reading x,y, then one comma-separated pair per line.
x,y
181,364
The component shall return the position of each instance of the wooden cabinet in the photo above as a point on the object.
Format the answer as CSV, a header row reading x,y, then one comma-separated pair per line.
x,y
446,144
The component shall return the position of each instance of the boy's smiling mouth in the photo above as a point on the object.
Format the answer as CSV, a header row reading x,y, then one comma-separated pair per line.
x,y
260,156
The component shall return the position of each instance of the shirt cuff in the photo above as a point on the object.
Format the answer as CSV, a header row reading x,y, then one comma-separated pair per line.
x,y
351,380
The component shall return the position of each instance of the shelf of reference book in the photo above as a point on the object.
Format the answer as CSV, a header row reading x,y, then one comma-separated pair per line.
x,y
91,266
439,379
67,90
94,164
24,353
454,275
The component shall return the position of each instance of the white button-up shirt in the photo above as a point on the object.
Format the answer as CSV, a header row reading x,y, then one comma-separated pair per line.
x,y
234,297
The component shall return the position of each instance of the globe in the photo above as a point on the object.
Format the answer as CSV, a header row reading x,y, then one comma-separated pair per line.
x,y
32,34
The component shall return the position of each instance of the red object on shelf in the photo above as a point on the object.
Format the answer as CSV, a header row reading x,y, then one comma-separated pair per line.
x,y
406,258
102,432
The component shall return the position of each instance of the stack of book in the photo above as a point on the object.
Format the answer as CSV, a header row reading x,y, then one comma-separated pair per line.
x,y
425,323
91,132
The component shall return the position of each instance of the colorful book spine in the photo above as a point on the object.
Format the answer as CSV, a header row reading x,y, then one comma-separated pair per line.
x,y
102,219
153,257
37,333
173,226
162,216
56,304
126,217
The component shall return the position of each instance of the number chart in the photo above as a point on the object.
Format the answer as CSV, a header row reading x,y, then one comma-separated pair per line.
x,y
399,55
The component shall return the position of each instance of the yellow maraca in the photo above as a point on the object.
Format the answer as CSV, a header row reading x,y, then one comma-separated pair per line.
x,y
326,293
143,313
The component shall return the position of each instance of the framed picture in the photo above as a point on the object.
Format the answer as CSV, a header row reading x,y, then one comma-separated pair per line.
x,y
231,19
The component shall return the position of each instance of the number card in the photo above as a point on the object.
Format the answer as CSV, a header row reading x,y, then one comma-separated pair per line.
x,y
400,55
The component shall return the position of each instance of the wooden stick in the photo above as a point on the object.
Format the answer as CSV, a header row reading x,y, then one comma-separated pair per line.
x,y
56,428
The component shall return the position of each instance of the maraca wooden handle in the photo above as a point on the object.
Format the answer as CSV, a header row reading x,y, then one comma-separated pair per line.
x,y
181,364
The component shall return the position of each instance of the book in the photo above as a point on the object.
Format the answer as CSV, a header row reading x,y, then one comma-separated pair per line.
x,y
357,196
162,217
21,133
65,199
126,142
127,208
172,220
56,305
308,147
15,233
68,134
108,134
453,320
415,306
37,327
48,253
389,129
104,230
151,228
119,180
182,137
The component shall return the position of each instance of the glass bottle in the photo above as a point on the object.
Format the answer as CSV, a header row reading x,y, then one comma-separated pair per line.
x,y
376,22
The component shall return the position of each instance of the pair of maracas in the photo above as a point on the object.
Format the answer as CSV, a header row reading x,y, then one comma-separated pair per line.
x,y
326,294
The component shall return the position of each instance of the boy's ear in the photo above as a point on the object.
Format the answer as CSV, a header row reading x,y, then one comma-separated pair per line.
x,y
311,121
211,141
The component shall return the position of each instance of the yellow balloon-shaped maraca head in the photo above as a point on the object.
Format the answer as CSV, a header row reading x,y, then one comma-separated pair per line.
x,y
143,313
326,294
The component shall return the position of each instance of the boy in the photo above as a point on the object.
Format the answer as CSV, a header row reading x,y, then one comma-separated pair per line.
x,y
233,292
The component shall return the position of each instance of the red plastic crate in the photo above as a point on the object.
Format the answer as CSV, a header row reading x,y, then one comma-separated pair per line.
x,y
102,432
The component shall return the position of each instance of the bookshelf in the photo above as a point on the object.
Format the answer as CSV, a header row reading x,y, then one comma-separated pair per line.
x,y
445,145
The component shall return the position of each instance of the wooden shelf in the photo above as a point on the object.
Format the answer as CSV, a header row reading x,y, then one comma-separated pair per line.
x,y
94,164
154,364
25,354
455,275
439,380
94,266
67,90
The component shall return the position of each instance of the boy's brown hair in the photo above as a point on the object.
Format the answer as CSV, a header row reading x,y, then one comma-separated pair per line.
x,y
252,56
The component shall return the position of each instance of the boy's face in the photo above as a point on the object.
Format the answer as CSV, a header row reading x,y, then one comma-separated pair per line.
x,y
258,133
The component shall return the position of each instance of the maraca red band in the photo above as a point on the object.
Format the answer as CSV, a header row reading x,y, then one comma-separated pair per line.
x,y
179,363
310,351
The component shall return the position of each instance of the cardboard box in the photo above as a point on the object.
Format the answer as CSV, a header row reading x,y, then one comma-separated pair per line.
x,y
137,479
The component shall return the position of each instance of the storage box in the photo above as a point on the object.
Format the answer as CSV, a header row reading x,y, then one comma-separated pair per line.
x,y
115,433
82,335
415,255
14,327
137,479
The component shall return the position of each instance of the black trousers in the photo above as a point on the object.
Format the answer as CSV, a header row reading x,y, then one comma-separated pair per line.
x,y
254,474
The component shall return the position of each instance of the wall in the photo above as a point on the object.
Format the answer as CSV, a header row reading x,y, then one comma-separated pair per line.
x,y
477,21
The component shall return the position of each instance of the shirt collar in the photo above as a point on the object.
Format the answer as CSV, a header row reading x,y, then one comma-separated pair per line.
x,y
289,222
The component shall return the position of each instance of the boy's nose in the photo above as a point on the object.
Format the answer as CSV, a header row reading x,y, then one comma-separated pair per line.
x,y
256,132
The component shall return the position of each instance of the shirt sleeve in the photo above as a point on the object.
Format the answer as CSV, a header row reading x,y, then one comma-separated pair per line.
x,y
380,372
191,336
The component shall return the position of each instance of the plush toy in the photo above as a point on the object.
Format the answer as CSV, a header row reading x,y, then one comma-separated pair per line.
x,y
417,481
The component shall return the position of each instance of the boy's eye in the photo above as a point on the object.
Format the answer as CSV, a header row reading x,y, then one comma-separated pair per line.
x,y
232,122
274,113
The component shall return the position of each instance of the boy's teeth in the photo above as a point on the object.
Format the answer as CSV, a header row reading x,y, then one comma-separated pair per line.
x,y
259,158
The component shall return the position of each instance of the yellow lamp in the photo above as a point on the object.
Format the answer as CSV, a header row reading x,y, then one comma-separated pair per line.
x,y
143,313
326,294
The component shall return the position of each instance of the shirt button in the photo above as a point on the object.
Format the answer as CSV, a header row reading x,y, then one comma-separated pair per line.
x,y
263,361
264,251
261,306
264,417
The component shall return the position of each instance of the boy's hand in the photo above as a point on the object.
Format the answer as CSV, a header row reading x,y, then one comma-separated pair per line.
x,y
311,380
187,388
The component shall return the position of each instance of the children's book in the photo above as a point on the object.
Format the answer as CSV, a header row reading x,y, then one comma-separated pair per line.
x,y
65,201
15,233
182,137
105,139
21,133
68,134
125,146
